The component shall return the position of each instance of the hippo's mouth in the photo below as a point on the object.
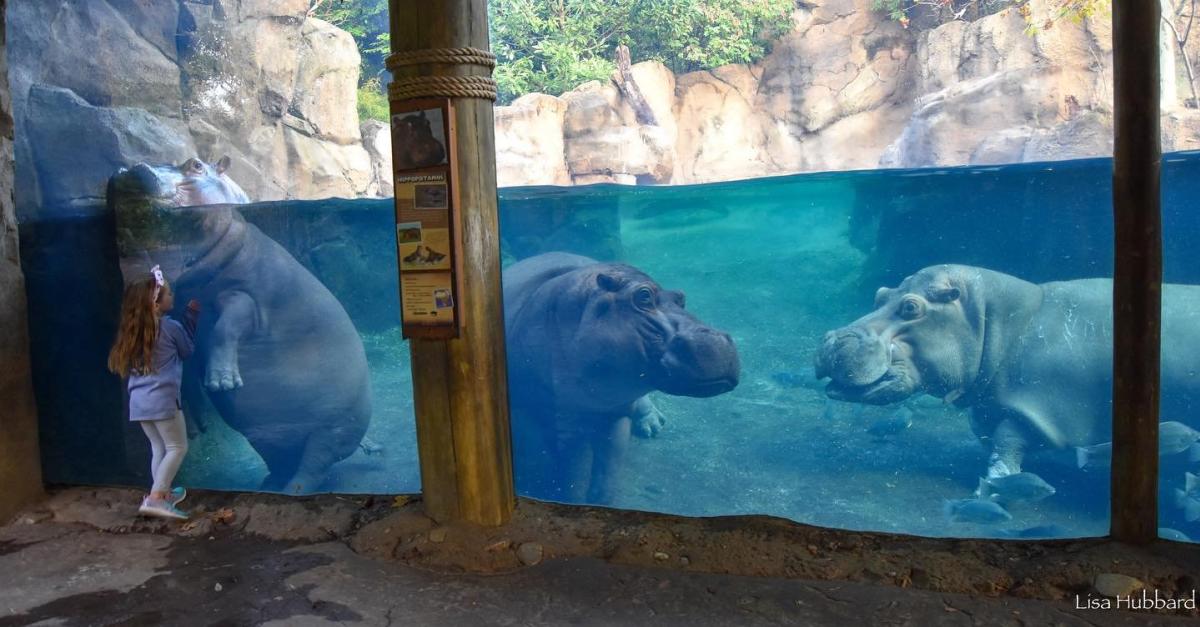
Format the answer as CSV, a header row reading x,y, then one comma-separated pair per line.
x,y
701,389
893,386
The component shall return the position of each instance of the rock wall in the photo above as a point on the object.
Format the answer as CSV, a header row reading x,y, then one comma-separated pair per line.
x,y
20,468
98,84
847,88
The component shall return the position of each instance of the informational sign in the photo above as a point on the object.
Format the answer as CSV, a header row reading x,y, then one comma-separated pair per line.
x,y
426,224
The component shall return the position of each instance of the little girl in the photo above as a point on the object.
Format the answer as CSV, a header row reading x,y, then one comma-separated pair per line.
x,y
149,350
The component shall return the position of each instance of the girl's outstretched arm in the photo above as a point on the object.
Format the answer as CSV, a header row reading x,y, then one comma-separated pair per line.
x,y
190,316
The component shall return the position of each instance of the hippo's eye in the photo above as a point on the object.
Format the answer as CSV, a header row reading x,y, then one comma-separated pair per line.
x,y
911,308
643,298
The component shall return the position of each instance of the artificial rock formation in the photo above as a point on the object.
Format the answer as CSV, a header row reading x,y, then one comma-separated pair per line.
x,y
20,469
847,88
101,84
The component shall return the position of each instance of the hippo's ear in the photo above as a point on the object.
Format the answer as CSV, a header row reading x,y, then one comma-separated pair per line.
x,y
223,164
947,294
881,296
609,282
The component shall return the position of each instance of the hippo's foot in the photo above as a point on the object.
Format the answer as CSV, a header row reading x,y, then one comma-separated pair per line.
x,y
222,377
648,421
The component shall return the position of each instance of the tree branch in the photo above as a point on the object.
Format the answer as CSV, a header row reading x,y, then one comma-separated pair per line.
x,y
630,90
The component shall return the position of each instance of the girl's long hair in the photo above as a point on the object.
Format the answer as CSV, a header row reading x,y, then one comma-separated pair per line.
x,y
133,350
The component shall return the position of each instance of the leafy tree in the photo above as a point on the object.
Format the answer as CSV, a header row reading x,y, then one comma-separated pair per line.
x,y
367,22
552,46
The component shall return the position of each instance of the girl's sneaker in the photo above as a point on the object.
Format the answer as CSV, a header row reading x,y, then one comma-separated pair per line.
x,y
161,509
177,495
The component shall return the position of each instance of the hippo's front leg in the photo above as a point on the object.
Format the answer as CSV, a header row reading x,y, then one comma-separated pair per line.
x,y
1008,450
609,445
235,319
648,421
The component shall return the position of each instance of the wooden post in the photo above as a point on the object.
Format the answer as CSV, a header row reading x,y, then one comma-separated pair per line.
x,y
460,385
1137,284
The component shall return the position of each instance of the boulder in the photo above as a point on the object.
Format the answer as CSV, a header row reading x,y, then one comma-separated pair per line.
x,y
319,169
377,140
326,88
529,142
76,147
720,133
154,21
91,49
989,92
604,142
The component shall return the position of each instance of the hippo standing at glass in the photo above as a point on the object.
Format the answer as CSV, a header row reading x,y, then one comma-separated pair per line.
x,y
282,362
587,341
1032,362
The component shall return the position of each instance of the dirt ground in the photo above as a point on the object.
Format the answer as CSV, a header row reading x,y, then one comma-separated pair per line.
x,y
1006,582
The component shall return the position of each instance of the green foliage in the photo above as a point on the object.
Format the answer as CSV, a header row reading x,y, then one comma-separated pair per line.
x,y
552,46
932,13
367,22
373,101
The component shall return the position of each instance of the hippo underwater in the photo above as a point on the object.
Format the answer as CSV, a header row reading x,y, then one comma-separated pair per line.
x,y
1033,363
587,342
282,362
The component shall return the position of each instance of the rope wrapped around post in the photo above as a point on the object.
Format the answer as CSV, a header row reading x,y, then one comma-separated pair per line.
x,y
482,87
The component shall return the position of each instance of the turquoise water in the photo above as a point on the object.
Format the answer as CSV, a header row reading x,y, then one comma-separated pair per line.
x,y
775,263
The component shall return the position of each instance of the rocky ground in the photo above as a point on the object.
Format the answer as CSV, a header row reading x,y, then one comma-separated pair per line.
x,y
83,558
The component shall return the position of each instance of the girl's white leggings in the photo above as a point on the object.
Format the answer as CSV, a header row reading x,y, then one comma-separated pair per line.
x,y
168,445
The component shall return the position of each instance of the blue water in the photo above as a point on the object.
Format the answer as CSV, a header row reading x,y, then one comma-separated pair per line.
x,y
774,262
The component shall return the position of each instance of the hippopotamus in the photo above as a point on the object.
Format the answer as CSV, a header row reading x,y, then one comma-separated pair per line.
x,y
1032,363
280,359
587,342
416,146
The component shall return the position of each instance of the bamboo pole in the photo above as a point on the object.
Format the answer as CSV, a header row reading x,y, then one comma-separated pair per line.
x,y
1137,284
460,384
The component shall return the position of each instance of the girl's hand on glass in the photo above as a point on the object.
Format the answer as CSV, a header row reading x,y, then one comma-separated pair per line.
x,y
194,305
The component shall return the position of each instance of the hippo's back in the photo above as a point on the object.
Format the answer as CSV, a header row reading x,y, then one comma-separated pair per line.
x,y
522,279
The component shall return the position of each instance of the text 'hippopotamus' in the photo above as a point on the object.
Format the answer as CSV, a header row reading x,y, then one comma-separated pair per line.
x,y
587,341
